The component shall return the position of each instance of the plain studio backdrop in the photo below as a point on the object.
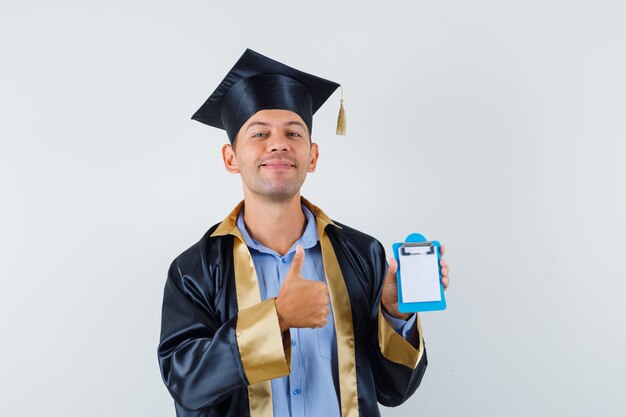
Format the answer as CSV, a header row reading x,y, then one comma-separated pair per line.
x,y
495,127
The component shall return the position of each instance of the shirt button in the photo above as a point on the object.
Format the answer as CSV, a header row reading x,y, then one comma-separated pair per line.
x,y
284,260
293,343
297,391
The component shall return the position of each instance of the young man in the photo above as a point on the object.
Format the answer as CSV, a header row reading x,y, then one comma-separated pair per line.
x,y
278,310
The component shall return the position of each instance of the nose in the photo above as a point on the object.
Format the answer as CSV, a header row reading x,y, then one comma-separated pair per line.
x,y
279,143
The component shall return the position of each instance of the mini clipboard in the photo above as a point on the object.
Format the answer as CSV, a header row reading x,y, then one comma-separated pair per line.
x,y
419,275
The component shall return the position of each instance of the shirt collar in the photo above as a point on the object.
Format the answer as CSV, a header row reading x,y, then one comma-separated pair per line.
x,y
229,225
308,239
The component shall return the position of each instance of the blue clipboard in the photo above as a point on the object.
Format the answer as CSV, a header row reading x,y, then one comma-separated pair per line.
x,y
400,250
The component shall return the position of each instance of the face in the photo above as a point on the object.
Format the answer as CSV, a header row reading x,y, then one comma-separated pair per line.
x,y
273,153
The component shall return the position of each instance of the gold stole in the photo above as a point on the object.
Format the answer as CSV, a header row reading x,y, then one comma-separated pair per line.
x,y
248,294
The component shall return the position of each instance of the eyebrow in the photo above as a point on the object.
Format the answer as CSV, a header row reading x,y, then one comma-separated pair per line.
x,y
290,123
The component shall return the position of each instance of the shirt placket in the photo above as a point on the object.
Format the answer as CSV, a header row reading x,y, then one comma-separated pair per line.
x,y
296,381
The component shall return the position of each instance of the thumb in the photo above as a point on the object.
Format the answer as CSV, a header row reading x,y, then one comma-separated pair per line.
x,y
295,271
391,271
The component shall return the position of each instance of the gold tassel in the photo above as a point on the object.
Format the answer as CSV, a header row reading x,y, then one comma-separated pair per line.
x,y
341,119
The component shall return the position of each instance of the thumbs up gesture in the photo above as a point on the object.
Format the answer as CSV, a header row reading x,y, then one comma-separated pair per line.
x,y
301,302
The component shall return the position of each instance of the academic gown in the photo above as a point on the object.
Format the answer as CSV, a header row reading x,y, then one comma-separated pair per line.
x,y
220,344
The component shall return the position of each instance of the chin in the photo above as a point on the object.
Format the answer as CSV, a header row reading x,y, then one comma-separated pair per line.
x,y
275,191
281,195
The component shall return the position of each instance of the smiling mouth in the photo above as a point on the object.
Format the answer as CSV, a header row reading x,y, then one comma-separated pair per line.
x,y
278,164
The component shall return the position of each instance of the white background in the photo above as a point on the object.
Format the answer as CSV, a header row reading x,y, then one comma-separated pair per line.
x,y
516,109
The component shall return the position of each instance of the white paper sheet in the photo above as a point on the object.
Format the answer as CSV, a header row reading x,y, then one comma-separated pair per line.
x,y
420,278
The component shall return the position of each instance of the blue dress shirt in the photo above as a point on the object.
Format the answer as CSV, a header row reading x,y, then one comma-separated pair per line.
x,y
311,389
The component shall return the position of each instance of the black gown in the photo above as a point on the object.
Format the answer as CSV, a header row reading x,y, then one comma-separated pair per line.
x,y
221,345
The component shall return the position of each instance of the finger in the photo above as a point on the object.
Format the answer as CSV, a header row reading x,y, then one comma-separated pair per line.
x,y
319,323
442,249
323,291
296,264
444,265
444,272
445,282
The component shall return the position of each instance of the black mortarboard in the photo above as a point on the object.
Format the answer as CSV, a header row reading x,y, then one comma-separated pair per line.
x,y
257,82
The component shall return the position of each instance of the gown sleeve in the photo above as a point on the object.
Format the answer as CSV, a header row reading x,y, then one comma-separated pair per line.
x,y
202,359
400,363
401,326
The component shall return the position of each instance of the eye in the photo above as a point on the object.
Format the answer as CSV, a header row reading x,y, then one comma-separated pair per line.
x,y
260,135
294,134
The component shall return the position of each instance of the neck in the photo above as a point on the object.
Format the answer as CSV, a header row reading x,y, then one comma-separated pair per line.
x,y
275,225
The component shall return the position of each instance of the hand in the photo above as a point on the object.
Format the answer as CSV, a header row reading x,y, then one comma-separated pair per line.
x,y
301,302
390,287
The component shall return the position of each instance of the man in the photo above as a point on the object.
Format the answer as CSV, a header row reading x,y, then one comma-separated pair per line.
x,y
278,310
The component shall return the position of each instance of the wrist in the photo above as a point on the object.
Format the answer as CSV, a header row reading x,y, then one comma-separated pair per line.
x,y
284,326
393,312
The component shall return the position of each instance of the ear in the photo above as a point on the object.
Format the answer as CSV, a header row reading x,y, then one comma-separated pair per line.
x,y
313,158
230,161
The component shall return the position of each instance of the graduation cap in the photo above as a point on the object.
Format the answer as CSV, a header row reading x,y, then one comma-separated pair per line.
x,y
257,82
